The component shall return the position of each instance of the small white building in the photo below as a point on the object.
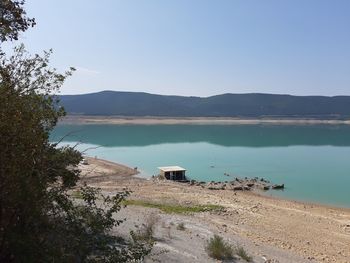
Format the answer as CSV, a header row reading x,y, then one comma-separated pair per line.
x,y
175,173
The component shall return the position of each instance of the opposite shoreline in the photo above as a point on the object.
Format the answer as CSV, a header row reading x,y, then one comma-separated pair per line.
x,y
151,120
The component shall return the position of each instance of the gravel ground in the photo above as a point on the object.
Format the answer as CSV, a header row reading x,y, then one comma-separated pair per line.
x,y
188,245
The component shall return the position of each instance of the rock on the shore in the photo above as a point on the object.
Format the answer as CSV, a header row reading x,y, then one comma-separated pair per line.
x,y
277,186
238,184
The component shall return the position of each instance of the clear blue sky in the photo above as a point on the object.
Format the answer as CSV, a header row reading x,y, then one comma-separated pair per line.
x,y
197,47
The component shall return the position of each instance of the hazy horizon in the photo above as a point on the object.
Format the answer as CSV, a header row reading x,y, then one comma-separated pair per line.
x,y
197,48
236,93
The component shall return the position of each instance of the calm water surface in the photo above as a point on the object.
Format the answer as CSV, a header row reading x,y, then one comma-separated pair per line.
x,y
312,161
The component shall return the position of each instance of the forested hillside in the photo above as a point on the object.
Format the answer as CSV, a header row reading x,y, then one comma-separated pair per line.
x,y
225,105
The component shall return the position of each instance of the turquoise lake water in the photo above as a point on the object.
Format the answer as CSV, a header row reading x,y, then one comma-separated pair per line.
x,y
312,161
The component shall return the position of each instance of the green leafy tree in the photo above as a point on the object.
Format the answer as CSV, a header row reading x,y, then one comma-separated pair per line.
x,y
13,19
39,219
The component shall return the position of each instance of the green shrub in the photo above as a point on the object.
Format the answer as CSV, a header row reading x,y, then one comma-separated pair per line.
x,y
240,251
219,249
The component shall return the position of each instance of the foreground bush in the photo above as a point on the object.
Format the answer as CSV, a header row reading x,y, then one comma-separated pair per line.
x,y
217,248
39,220
240,251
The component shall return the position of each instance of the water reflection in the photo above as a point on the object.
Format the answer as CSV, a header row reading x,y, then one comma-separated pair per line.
x,y
224,135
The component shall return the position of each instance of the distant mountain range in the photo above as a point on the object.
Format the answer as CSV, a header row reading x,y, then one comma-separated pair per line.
x,y
226,105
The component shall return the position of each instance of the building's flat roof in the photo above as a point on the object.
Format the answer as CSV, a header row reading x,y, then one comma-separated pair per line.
x,y
171,168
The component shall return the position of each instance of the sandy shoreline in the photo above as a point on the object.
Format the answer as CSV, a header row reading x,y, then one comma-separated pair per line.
x,y
79,119
282,230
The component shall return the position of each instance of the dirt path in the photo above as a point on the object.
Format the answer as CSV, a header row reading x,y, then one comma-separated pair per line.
x,y
275,229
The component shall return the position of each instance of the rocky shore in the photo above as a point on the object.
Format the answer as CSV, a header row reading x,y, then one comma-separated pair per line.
x,y
239,184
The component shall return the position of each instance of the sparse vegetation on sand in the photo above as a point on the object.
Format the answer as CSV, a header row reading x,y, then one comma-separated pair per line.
x,y
240,251
181,226
174,208
219,249
146,232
